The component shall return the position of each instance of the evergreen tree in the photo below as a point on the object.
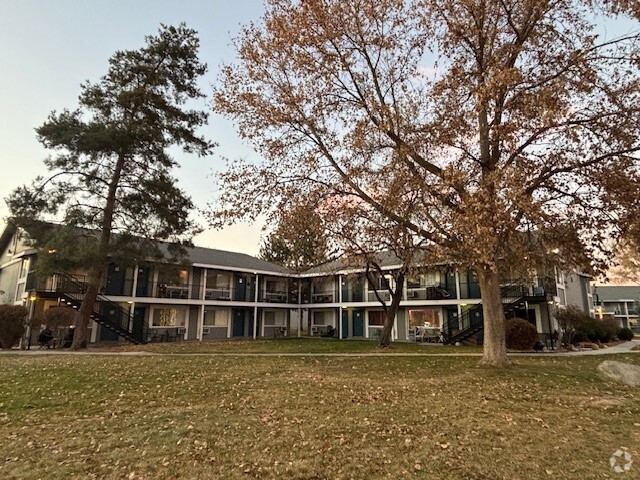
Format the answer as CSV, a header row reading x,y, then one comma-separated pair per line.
x,y
111,178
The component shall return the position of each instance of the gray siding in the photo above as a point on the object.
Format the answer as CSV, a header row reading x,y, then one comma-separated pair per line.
x,y
8,282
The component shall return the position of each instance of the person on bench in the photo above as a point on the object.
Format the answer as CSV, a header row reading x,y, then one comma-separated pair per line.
x,y
45,337
331,332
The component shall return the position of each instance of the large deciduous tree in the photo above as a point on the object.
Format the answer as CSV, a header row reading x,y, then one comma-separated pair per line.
x,y
111,177
513,119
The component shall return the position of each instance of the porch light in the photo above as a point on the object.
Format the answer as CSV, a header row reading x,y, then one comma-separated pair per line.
x,y
33,298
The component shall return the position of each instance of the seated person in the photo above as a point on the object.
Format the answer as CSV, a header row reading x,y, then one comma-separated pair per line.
x,y
331,332
45,337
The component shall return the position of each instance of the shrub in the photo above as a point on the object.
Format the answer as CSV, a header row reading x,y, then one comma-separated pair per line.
x,y
625,334
11,324
570,319
521,335
598,330
578,337
55,317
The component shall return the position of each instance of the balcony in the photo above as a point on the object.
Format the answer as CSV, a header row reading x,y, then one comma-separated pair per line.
x,y
427,293
278,296
322,297
218,293
162,290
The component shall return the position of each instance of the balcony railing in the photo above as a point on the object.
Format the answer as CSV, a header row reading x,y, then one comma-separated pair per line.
x,y
322,297
217,293
427,293
383,294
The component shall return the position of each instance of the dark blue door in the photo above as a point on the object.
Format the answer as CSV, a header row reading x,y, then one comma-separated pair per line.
x,y
115,280
358,323
138,322
240,289
107,335
345,323
238,323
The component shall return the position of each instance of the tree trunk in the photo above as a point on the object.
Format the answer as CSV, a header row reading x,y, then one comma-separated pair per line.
x,y
95,278
495,348
81,334
390,312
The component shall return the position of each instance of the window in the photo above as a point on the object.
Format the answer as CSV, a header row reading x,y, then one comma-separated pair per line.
x,y
376,318
323,318
169,317
420,316
217,317
274,318
431,279
183,277
218,280
24,267
413,282
19,292
323,285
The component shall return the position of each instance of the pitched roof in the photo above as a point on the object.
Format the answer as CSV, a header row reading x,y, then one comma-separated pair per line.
x,y
222,258
385,259
198,255
618,292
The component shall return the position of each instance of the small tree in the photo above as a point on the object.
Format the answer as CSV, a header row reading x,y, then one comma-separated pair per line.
x,y
12,324
111,181
570,319
298,241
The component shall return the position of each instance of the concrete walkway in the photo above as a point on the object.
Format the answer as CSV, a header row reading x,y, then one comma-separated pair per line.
x,y
626,347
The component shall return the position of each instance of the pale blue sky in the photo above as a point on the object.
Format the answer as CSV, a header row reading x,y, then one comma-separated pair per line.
x,y
47,48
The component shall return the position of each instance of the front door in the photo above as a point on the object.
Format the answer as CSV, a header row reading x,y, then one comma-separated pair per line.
x,y
142,287
115,280
240,288
358,323
238,322
138,322
345,323
106,334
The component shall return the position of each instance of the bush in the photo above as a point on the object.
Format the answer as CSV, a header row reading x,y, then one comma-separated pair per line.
x,y
578,337
598,330
570,319
521,335
625,334
12,324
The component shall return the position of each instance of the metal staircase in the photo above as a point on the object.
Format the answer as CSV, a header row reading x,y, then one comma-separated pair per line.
x,y
471,322
108,314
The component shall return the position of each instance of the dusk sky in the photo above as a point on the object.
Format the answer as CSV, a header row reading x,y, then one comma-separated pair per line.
x,y
48,48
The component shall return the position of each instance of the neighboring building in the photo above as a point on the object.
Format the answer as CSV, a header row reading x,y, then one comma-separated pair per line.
x,y
619,302
232,295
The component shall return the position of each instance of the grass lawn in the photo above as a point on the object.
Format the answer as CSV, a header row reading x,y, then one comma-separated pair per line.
x,y
289,345
226,417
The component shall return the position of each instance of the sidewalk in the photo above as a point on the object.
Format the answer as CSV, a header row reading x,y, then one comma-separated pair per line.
x,y
626,347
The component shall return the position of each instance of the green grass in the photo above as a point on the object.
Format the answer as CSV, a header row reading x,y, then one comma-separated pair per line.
x,y
289,345
225,417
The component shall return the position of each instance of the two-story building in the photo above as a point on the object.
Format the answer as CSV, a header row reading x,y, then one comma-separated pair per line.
x,y
232,295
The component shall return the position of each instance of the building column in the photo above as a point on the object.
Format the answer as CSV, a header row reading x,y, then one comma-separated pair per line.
x,y
255,308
